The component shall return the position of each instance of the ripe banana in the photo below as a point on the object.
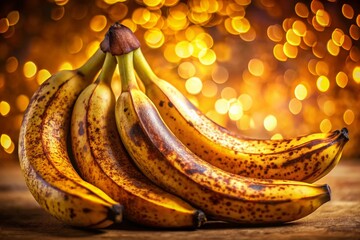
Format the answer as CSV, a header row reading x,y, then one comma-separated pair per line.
x,y
306,158
171,165
44,158
103,161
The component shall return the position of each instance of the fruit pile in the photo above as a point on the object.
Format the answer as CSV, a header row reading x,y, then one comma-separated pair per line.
x,y
91,158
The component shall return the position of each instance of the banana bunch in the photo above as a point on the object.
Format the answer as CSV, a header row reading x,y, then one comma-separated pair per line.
x,y
91,158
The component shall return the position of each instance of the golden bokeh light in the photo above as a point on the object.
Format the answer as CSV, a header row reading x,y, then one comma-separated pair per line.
x,y
5,141
270,122
228,93
235,111
130,24
332,48
341,79
325,125
22,102
75,45
275,33
141,16
98,23
154,3
154,38
220,74
186,70
256,67
301,10
61,2
240,24
299,28
322,17
184,49
315,6
207,56
57,13
193,85
277,136
293,38
329,107
295,106
278,52
29,69
349,116
42,76
13,17
11,64
170,53
310,38
323,83
356,74
290,51
321,68
4,25
4,108
338,37
347,11
354,32
113,1
65,66
301,91
222,106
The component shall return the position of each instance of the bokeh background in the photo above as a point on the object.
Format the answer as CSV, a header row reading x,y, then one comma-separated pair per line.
x,y
262,68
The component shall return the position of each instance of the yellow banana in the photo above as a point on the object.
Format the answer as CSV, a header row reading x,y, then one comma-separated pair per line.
x,y
43,152
306,158
103,161
171,165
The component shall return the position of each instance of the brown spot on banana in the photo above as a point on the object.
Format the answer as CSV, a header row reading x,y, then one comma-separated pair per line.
x,y
81,128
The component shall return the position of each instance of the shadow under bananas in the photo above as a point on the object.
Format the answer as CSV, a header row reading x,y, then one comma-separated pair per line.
x,y
209,225
17,222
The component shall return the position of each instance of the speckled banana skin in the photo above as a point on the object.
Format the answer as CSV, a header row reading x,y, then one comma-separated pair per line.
x,y
171,165
103,161
306,158
44,158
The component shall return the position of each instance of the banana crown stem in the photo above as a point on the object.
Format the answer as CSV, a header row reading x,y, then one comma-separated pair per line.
x,y
93,65
127,74
143,68
108,69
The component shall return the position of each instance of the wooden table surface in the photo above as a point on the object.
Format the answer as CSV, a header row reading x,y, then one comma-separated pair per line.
x,y
22,218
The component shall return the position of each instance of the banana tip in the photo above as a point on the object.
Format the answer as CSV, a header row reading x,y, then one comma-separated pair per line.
x,y
199,218
116,213
345,134
327,193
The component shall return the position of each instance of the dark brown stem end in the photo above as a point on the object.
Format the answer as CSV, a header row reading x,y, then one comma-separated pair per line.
x,y
119,40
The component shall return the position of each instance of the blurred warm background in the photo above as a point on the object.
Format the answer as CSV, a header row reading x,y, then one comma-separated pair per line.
x,y
262,68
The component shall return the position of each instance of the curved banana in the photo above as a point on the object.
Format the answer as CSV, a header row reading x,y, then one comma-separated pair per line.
x,y
171,165
103,161
306,158
43,154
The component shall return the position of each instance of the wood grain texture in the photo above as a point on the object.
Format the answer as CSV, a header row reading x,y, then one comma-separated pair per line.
x,y
22,218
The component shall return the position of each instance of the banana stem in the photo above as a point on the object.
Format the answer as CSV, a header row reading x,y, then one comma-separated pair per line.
x,y
143,68
92,65
108,69
127,74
